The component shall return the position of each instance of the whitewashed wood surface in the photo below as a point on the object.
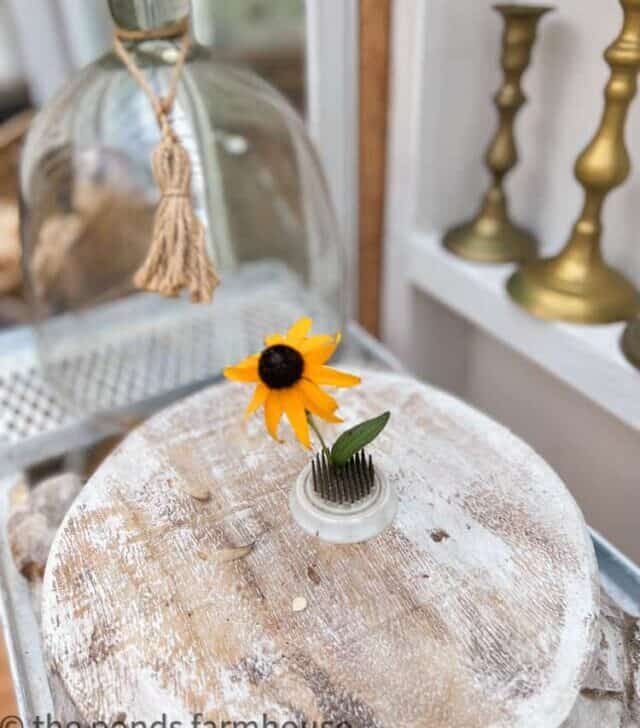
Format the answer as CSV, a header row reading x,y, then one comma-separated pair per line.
x,y
478,607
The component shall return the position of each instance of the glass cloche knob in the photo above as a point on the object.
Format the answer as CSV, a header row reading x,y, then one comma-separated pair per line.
x,y
143,15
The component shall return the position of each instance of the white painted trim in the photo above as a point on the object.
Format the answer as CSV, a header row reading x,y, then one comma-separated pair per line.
x,y
408,28
587,358
407,52
332,110
43,50
87,30
11,72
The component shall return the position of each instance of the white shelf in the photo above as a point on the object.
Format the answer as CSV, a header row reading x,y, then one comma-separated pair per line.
x,y
588,358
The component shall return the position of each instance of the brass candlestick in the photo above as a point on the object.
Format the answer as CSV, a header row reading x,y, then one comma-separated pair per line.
x,y
631,342
491,237
577,285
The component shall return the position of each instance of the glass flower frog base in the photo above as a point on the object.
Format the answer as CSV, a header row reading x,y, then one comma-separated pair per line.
x,y
144,348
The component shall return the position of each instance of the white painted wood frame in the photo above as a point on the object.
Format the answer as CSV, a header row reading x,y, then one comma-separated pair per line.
x,y
408,35
44,55
332,111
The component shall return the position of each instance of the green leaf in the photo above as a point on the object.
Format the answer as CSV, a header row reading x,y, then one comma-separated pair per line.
x,y
356,438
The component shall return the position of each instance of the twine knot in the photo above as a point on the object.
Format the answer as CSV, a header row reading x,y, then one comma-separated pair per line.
x,y
177,258
172,168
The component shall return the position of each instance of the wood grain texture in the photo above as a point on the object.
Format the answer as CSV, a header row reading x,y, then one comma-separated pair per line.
x,y
375,25
478,607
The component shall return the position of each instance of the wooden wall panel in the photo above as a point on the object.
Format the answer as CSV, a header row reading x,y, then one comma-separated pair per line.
x,y
7,698
375,23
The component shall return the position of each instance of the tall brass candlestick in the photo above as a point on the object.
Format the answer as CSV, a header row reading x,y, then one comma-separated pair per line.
x,y
577,285
631,342
491,236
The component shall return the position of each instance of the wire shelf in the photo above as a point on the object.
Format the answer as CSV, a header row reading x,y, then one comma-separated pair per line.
x,y
121,361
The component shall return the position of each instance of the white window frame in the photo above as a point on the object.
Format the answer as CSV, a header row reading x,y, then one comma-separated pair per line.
x,y
332,111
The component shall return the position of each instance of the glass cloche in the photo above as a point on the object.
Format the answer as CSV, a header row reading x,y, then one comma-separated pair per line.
x,y
88,199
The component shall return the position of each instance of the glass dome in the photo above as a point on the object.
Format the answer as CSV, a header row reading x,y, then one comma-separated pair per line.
x,y
87,203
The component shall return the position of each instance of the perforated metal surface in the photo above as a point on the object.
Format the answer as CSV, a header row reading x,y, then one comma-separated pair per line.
x,y
28,407
99,367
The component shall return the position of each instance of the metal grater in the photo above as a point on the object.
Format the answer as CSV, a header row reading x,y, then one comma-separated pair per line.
x,y
348,484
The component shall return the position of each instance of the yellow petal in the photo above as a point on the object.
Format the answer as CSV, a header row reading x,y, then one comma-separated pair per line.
x,y
315,342
321,355
259,397
315,399
299,330
319,349
296,414
250,361
330,377
326,415
246,371
273,413
274,339
330,418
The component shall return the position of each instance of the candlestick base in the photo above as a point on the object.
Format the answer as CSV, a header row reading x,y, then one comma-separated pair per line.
x,y
631,342
491,241
560,289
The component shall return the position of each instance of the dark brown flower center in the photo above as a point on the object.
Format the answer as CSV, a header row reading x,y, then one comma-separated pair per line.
x,y
280,366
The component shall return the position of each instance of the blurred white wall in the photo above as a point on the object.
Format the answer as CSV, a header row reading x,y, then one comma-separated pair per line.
x,y
10,68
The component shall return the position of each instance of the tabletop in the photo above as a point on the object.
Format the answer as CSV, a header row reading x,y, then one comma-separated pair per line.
x,y
478,606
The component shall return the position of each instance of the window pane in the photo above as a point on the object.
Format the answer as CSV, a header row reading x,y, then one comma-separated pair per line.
x,y
264,35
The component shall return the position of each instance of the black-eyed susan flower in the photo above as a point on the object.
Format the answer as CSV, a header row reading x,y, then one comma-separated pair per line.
x,y
289,374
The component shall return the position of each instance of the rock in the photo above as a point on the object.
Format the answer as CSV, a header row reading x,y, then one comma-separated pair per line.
x,y
33,523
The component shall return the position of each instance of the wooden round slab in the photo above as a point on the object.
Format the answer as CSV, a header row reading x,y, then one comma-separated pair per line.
x,y
477,607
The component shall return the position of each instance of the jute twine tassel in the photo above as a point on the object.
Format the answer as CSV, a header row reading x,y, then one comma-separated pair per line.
x,y
178,257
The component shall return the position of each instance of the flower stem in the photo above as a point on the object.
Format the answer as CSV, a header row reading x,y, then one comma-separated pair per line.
x,y
314,427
